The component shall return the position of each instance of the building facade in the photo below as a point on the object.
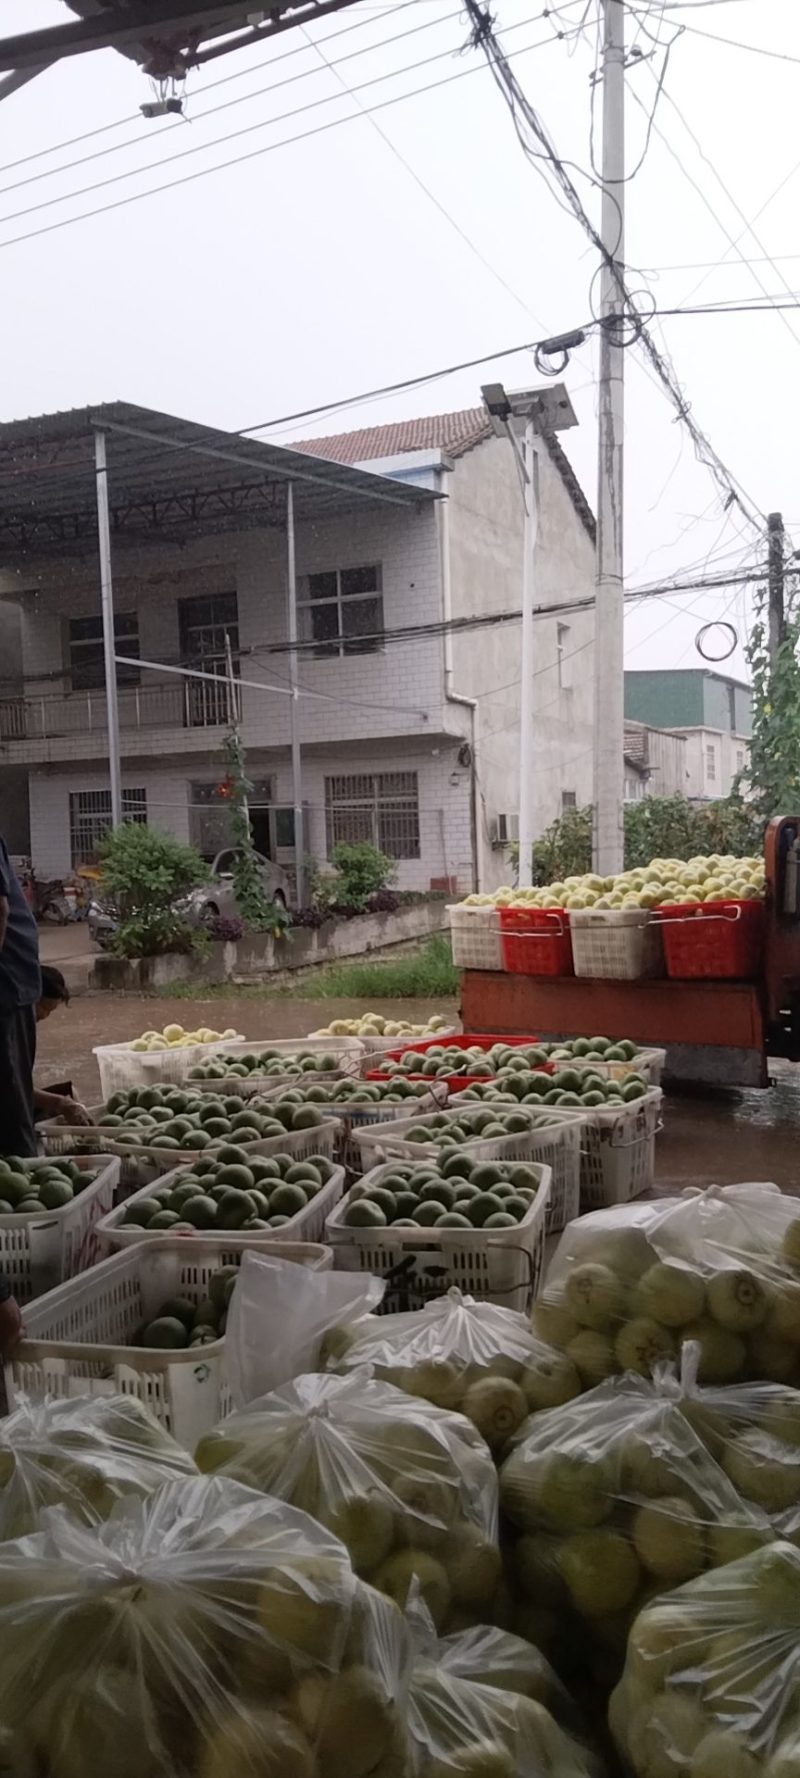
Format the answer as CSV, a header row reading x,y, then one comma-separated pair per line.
x,y
407,729
711,711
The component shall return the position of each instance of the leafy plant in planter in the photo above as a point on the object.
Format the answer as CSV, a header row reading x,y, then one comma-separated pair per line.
x,y
145,873
363,871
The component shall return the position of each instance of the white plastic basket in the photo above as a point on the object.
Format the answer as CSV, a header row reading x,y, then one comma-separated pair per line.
x,y
555,1140
358,1117
307,1225
76,1338
122,1067
621,944
134,1169
347,1051
496,1265
618,1149
475,937
649,1063
380,1046
40,1251
299,1143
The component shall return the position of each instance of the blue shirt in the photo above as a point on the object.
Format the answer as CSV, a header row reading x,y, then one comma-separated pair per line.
x,y
20,977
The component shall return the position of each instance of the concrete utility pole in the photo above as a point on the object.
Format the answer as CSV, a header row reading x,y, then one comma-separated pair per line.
x,y
526,704
109,636
775,536
609,680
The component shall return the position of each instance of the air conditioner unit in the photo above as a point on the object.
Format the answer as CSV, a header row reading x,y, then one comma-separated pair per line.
x,y
505,828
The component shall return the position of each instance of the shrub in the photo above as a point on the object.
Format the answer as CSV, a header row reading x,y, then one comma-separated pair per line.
x,y
363,870
228,929
145,873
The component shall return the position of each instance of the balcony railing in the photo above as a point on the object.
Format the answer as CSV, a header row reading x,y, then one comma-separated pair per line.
x,y
187,703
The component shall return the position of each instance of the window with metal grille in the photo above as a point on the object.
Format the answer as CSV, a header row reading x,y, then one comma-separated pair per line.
x,y
711,762
204,623
380,807
342,611
86,659
90,820
569,799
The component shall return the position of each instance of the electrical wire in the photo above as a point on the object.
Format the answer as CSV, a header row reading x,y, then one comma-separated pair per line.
x,y
184,154
228,105
754,49
256,153
483,36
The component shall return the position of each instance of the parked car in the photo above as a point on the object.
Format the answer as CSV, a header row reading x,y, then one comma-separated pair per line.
x,y
207,901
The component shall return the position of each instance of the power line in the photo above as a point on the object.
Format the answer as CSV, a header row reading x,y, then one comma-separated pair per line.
x,y
227,105
256,153
483,35
135,117
235,135
754,49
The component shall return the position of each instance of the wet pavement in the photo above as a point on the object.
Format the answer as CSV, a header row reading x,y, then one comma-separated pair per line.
x,y
713,1137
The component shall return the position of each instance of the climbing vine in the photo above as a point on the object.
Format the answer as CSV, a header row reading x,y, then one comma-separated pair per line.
x,y
256,910
774,769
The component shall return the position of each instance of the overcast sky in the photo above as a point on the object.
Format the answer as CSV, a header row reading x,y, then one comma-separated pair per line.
x,y
320,268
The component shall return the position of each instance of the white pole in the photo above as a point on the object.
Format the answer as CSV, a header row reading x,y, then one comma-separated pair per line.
x,y
109,645
297,770
526,736
609,672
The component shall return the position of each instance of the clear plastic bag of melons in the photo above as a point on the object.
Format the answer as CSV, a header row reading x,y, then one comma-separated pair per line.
x,y
83,1453
628,1285
204,1632
409,1488
612,1499
711,1687
477,1358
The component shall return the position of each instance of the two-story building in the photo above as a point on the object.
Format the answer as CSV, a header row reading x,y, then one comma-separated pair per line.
x,y
405,719
712,711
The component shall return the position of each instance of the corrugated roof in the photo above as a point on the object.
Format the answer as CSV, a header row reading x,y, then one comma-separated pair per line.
x,y
166,477
453,433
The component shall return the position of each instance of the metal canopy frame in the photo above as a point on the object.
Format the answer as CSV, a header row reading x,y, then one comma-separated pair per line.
x,y
164,36
121,472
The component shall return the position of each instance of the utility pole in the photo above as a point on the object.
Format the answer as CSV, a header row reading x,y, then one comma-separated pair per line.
x,y
609,679
109,633
526,713
775,535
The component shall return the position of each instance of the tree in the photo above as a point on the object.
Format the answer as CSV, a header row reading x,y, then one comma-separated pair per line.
x,y
145,873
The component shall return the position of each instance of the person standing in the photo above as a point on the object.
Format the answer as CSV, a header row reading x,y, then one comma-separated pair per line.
x,y
20,988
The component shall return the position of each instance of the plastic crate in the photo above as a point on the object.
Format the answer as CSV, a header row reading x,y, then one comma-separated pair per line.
x,y
649,1063
475,937
621,944
358,1117
75,1339
495,1265
381,1046
122,1067
349,1053
307,1225
134,1169
39,1251
618,1149
554,1139
536,941
299,1143
718,940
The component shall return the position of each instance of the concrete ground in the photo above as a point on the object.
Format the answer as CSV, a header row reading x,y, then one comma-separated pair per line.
x,y
708,1138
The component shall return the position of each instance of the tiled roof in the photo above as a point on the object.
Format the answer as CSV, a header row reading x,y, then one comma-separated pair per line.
x,y
453,433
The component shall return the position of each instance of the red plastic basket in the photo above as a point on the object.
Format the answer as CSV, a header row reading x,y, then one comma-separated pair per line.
x,y
536,941
713,939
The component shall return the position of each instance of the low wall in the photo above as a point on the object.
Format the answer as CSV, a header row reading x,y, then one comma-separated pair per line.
x,y
260,955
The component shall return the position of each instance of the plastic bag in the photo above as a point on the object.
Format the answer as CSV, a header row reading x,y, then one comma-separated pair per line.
x,y
464,1728
722,1267
710,1688
410,1489
753,1432
477,1358
84,1454
279,1315
614,1499
205,1632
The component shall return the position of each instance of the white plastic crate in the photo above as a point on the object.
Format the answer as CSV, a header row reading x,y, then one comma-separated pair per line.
x,y
76,1337
359,1116
555,1141
649,1063
300,1143
496,1265
620,944
40,1251
134,1169
122,1067
618,1149
307,1225
380,1046
348,1052
475,937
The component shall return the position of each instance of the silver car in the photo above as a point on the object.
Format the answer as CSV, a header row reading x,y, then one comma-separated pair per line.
x,y
204,904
